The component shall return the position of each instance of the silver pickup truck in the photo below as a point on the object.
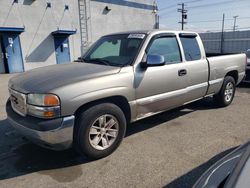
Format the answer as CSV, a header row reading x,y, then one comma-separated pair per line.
x,y
122,78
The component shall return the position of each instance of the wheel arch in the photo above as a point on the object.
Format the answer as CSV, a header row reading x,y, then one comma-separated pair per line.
x,y
234,74
118,100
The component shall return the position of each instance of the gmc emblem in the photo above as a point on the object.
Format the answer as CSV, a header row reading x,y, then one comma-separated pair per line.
x,y
14,99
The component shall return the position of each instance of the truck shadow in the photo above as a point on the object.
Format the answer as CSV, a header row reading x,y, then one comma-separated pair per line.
x,y
19,157
188,180
244,87
158,119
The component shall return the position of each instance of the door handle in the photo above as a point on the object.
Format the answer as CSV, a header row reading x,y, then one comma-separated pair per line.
x,y
182,72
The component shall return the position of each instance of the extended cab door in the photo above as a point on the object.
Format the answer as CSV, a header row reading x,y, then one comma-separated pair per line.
x,y
196,65
160,88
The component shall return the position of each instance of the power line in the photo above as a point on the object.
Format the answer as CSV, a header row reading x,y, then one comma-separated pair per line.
x,y
219,30
201,21
175,5
199,6
192,1
244,28
213,4
184,11
168,7
170,11
198,13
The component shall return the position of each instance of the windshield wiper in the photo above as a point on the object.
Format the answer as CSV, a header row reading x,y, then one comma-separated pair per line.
x,y
80,59
98,60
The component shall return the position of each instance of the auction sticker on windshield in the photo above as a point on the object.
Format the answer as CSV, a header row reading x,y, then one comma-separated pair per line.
x,y
136,36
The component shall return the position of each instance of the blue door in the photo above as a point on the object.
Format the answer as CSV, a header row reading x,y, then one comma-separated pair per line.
x,y
2,63
62,49
13,53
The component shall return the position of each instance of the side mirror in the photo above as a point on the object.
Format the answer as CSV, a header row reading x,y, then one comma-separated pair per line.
x,y
153,60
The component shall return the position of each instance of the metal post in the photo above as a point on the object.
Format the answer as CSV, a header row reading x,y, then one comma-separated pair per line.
x,y
222,35
234,27
182,17
155,12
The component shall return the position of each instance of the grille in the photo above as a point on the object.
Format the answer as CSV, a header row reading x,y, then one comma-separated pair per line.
x,y
18,102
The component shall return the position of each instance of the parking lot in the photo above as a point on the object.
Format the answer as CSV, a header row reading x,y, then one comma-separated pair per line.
x,y
171,149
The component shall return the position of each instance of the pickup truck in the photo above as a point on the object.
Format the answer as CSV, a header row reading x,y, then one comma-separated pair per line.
x,y
122,78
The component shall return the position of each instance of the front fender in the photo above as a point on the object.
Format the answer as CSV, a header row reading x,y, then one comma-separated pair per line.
x,y
71,106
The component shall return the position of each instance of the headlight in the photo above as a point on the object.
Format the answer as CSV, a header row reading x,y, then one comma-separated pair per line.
x,y
43,105
43,100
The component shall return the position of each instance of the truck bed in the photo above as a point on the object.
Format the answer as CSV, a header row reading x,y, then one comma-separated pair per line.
x,y
220,65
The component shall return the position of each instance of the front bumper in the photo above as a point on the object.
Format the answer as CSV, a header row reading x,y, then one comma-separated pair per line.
x,y
55,134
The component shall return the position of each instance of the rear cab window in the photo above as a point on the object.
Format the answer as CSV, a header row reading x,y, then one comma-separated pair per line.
x,y
190,46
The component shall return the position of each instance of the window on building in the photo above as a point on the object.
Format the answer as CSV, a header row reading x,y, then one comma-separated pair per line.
x,y
167,47
191,48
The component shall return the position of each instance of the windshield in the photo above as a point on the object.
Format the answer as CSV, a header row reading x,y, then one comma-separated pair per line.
x,y
115,50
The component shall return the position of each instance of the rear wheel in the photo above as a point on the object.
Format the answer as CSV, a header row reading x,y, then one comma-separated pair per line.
x,y
99,130
226,94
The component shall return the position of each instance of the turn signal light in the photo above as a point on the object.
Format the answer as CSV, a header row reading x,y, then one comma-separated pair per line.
x,y
48,114
51,100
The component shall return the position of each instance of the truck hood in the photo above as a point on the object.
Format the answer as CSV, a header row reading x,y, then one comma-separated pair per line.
x,y
43,80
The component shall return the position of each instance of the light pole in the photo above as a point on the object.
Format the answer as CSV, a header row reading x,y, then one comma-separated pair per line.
x,y
234,27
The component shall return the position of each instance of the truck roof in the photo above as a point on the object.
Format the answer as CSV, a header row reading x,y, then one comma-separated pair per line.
x,y
153,31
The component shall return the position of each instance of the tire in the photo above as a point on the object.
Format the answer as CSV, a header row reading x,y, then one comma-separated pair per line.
x,y
90,136
226,94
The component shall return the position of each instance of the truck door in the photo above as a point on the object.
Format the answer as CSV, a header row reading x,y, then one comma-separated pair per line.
x,y
161,87
196,65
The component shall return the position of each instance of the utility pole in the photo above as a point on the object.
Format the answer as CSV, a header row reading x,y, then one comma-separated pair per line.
x,y
222,35
183,15
155,12
234,27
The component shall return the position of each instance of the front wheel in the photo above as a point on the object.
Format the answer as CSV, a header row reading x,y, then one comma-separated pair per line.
x,y
99,130
226,94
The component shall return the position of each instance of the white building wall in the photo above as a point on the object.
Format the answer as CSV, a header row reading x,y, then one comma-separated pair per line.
x,y
128,15
39,21
37,43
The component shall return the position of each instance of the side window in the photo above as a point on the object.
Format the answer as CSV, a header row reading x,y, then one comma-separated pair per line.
x,y
107,49
191,48
167,47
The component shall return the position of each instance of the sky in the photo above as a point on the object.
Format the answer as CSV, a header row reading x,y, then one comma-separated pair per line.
x,y
205,15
